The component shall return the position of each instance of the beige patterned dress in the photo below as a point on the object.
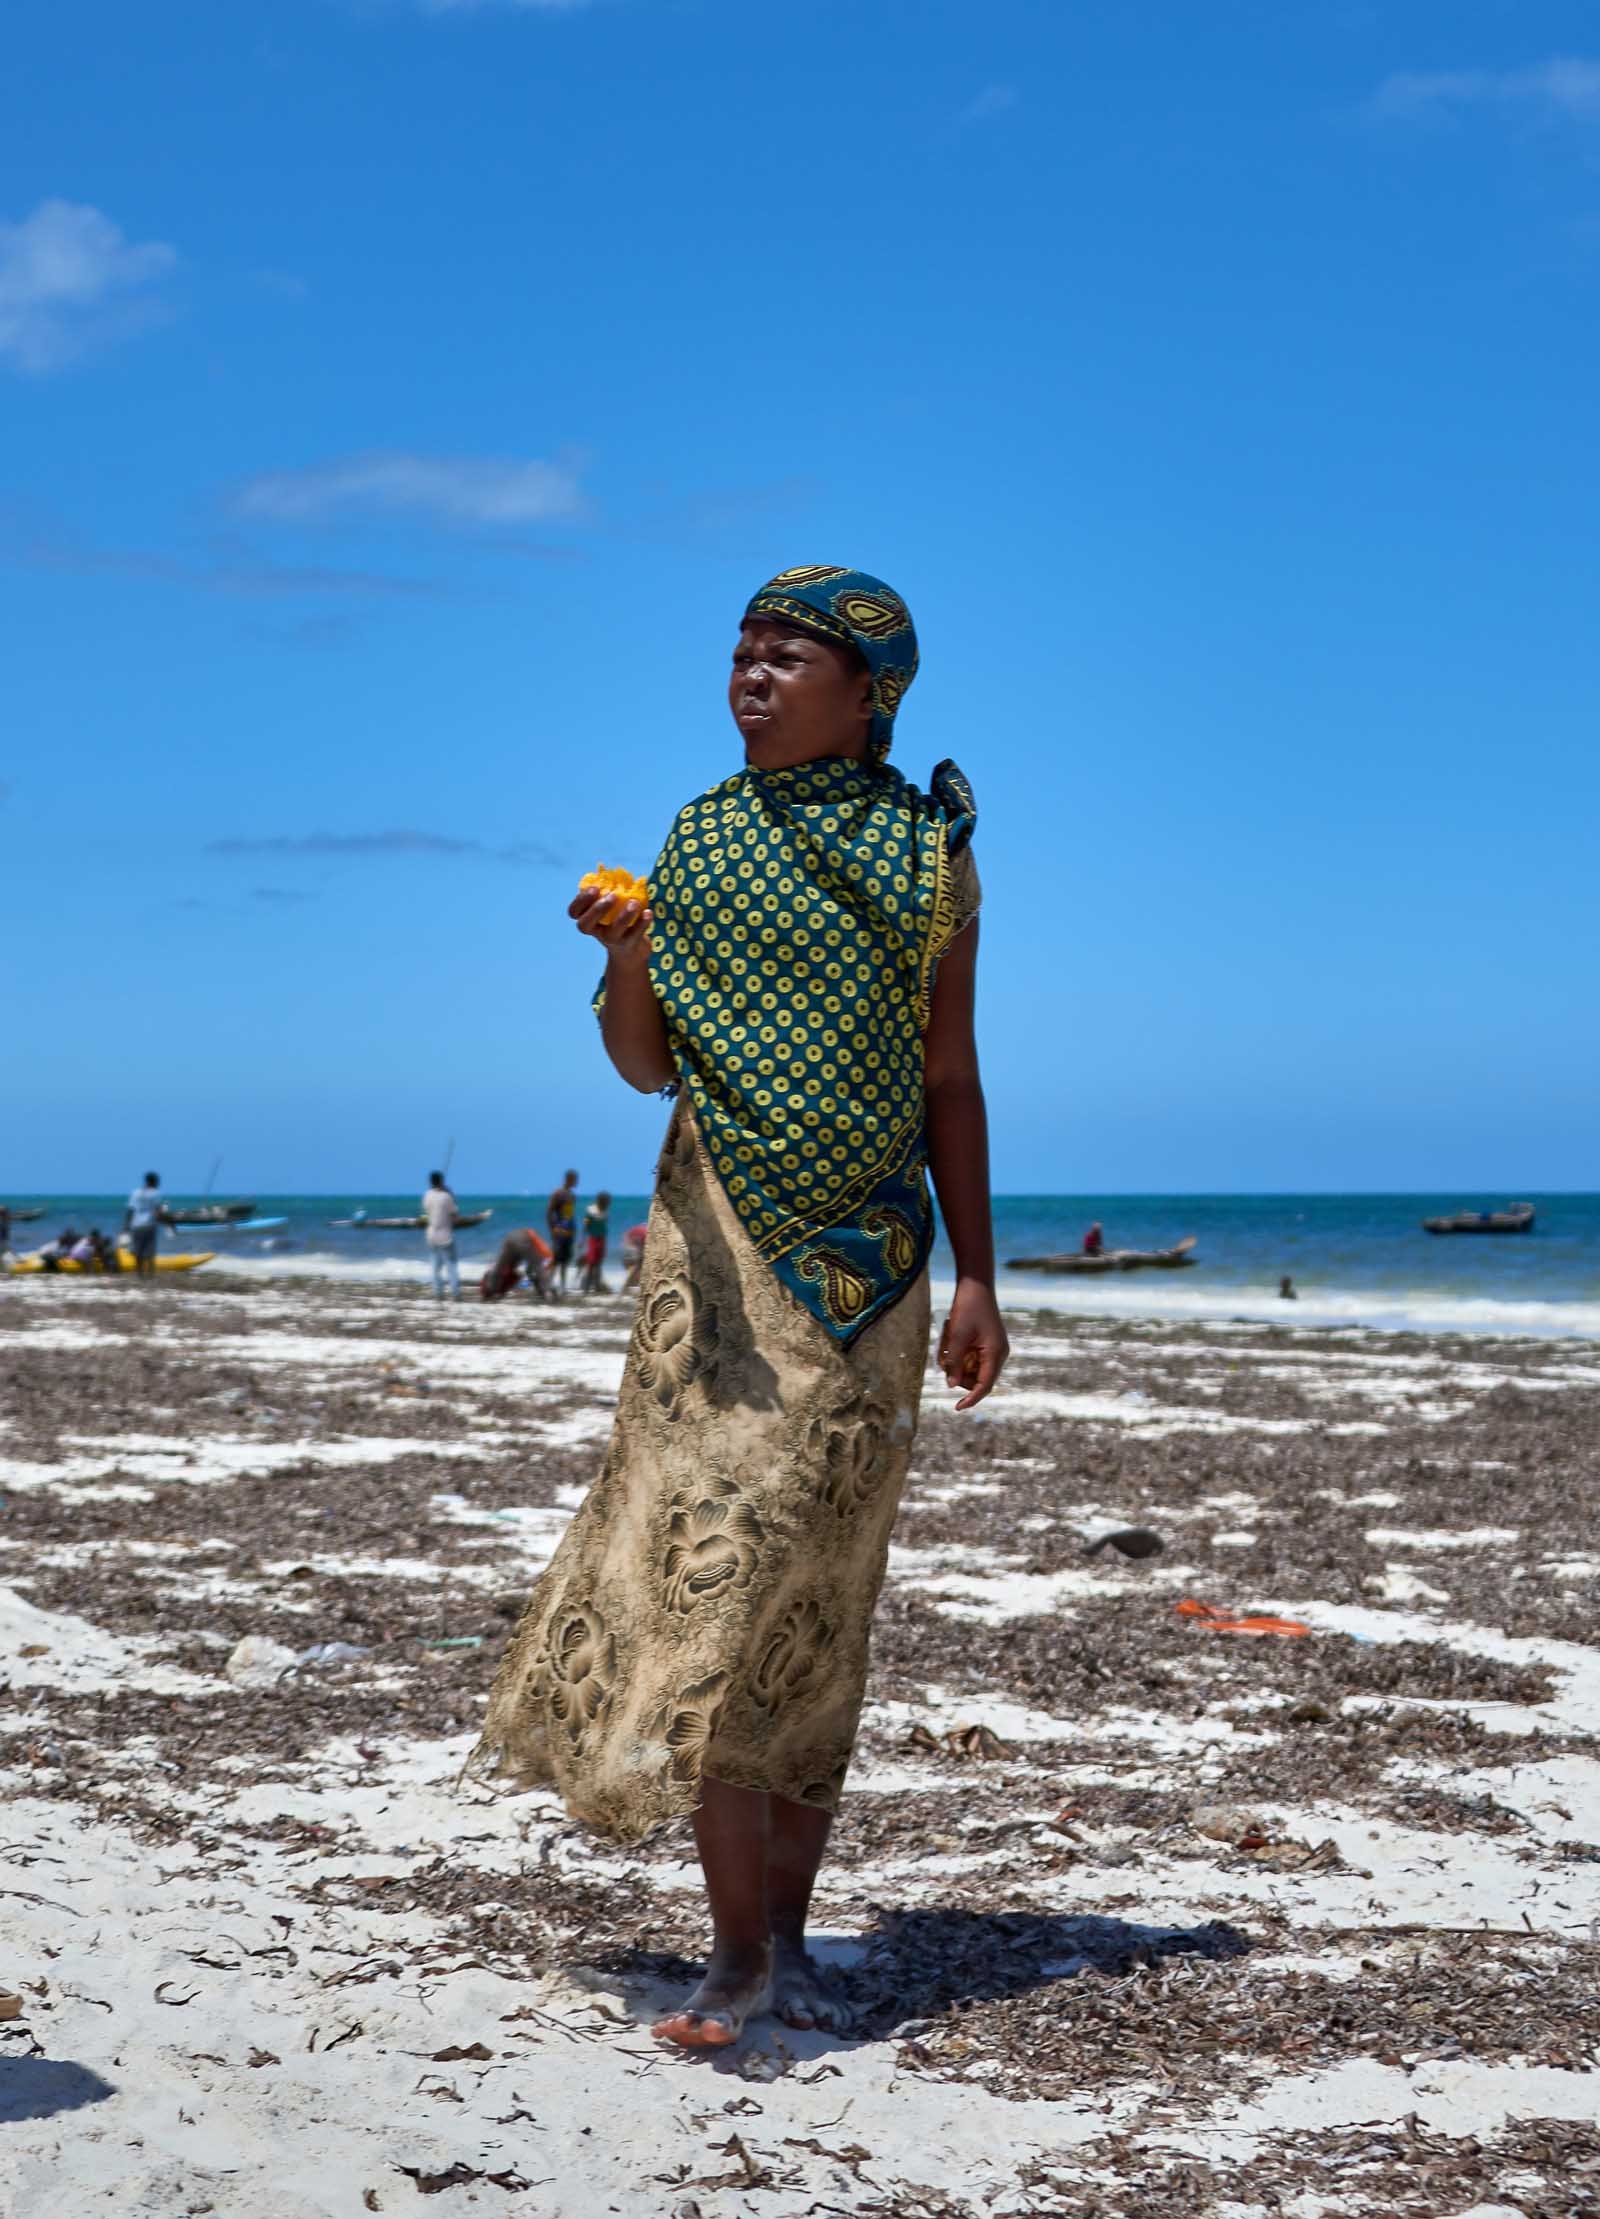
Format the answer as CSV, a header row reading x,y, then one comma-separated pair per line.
x,y
708,1608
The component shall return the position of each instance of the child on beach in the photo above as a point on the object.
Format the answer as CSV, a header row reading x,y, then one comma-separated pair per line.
x,y
803,980
596,1225
633,1241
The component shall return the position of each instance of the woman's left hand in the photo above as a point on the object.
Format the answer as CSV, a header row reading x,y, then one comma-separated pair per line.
x,y
973,1346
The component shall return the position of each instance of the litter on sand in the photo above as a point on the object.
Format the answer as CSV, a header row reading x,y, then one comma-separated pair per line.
x,y
1211,1620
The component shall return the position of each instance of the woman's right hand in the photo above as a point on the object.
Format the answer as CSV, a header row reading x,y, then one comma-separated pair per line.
x,y
621,927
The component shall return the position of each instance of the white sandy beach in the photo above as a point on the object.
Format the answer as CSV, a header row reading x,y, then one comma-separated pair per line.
x,y
1200,1922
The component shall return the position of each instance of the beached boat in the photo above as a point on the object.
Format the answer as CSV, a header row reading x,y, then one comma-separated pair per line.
x,y
361,1223
1175,1258
1517,1219
125,1262
211,1213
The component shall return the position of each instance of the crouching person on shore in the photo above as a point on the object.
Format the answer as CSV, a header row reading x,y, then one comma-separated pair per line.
x,y
524,1254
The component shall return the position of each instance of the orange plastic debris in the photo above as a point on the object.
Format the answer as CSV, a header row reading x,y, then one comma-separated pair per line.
x,y
1212,1620
610,880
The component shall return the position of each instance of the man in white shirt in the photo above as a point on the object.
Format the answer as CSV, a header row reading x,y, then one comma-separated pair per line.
x,y
141,1222
439,1211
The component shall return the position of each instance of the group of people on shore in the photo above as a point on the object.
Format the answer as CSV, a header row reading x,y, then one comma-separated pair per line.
x,y
93,1250
542,1262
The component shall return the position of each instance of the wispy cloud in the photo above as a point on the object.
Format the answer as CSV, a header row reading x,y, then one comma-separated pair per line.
x,y
524,854
223,568
439,489
1566,86
994,100
70,281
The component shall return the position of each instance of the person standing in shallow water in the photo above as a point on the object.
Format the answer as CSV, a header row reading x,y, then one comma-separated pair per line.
x,y
803,978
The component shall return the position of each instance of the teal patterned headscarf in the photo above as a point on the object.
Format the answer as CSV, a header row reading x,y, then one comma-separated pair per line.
x,y
799,917
854,610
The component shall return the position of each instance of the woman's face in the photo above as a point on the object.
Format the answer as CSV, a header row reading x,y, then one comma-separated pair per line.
x,y
795,697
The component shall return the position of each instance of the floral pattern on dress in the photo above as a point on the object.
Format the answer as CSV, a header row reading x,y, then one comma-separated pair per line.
x,y
713,1545
793,1657
583,1666
676,1342
846,1446
692,1722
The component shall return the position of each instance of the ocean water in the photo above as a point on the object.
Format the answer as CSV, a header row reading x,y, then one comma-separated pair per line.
x,y
1356,1259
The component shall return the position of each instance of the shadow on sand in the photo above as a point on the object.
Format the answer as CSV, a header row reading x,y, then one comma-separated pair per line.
x,y
39,2087
917,1964
912,1967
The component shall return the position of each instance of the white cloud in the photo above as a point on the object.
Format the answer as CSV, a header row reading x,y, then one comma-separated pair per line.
x,y
1566,86
69,279
444,489
993,101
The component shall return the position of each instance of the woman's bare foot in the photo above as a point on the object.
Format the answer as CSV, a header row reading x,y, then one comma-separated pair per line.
x,y
737,1985
801,1996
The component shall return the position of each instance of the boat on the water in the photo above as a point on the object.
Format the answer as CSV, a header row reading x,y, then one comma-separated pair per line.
x,y
250,1225
1517,1218
211,1213
1175,1258
361,1223
125,1262
28,1217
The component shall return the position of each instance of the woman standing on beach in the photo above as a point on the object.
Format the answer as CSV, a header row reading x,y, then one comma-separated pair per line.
x,y
804,978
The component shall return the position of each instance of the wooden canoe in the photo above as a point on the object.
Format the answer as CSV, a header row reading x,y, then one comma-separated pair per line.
x,y
1175,1258
1517,1219
124,1262
464,1223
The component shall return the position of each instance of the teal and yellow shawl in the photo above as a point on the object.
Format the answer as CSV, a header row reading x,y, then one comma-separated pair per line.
x,y
799,916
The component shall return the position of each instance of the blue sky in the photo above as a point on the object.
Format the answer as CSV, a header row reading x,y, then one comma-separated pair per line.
x,y
398,403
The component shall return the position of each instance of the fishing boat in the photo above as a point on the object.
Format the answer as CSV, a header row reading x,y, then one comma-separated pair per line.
x,y
1175,1258
124,1262
361,1223
1518,1218
250,1225
28,1217
211,1213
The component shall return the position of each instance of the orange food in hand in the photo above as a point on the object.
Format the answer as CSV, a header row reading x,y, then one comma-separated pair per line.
x,y
623,884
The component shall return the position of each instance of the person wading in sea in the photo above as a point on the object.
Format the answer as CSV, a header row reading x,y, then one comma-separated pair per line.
x,y
803,976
